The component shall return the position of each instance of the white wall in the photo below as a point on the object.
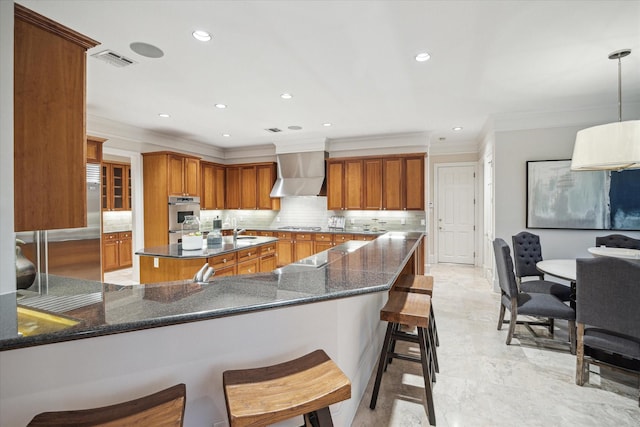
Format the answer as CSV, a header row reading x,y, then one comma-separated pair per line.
x,y
512,150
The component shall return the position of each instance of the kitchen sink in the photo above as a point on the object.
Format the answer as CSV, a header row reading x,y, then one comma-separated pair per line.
x,y
246,237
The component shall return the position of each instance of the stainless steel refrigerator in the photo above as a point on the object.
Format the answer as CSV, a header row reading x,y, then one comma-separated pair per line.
x,y
71,252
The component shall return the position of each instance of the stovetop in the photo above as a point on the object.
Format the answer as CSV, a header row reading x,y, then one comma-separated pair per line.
x,y
300,228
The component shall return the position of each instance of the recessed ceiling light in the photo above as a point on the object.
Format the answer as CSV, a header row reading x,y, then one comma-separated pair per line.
x,y
286,96
164,115
294,127
226,135
201,35
442,138
221,106
326,124
457,128
422,57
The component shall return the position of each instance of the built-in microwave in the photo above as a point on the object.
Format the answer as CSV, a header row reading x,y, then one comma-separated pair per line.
x,y
179,208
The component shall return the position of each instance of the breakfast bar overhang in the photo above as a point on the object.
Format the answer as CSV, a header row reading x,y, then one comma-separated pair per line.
x,y
229,323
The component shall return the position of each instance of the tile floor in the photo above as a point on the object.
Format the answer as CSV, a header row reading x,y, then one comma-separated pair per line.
x,y
123,276
483,382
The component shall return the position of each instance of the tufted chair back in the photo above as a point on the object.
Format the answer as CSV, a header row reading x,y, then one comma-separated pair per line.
x,y
618,241
527,251
504,268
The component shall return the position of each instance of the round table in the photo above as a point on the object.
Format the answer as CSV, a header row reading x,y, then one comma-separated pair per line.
x,y
633,254
561,268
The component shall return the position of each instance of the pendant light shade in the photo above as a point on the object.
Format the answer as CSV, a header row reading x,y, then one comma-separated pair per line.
x,y
614,146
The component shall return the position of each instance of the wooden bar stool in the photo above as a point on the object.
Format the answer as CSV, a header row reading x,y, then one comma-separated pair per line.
x,y
410,309
162,409
421,285
304,386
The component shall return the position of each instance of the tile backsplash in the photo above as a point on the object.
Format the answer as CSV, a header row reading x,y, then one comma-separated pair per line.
x,y
114,221
312,212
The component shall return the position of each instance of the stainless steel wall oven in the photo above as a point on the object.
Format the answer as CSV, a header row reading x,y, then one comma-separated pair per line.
x,y
179,208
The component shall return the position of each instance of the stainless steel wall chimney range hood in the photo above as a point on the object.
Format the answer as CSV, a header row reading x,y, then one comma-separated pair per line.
x,y
300,174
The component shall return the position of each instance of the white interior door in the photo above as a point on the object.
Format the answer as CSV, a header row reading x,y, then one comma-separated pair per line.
x,y
456,213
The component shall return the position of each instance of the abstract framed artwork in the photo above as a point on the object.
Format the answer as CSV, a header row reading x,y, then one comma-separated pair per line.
x,y
558,197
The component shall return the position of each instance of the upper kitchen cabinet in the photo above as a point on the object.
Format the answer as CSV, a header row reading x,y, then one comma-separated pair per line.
x,y
248,186
371,183
212,185
49,123
184,171
345,184
94,149
116,186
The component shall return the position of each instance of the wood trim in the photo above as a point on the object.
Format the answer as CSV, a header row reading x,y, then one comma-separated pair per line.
x,y
34,18
379,156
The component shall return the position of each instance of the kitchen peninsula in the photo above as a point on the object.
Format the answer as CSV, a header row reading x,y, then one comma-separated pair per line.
x,y
330,301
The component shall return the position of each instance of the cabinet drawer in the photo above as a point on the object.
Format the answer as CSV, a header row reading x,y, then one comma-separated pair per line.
x,y
303,236
248,267
110,236
324,237
265,233
222,261
227,271
283,236
364,237
268,249
247,254
341,238
124,235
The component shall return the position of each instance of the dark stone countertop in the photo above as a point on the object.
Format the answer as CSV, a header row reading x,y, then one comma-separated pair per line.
x,y
227,246
350,269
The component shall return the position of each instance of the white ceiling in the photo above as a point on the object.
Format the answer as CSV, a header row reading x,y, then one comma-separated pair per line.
x,y
351,63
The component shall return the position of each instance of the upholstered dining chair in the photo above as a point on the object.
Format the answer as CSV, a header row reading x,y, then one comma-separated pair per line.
x,y
618,241
527,251
607,315
526,303
164,408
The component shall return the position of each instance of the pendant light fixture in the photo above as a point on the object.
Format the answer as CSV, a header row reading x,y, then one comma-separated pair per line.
x,y
614,146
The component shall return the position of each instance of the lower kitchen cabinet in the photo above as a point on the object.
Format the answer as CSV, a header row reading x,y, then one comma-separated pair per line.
x,y
284,248
302,246
117,250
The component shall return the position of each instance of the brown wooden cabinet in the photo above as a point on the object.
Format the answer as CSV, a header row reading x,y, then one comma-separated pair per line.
x,y
165,174
49,123
284,248
117,250
322,242
183,176
116,187
371,183
248,186
94,149
302,245
212,186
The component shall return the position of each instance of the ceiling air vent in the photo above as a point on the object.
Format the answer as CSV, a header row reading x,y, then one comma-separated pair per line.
x,y
273,130
113,58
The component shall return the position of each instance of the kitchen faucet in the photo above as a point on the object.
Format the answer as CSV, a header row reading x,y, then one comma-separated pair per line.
x,y
236,232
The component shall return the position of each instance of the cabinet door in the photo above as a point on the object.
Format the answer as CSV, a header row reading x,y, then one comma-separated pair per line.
x,y
175,178
249,267
393,184
106,187
48,123
268,263
219,186
233,188
372,184
335,185
207,196
266,177
303,246
322,246
353,192
284,249
248,193
118,187
110,257
414,183
125,250
191,176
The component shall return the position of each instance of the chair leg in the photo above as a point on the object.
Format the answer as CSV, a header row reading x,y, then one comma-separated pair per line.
x,y
580,362
382,363
512,324
501,316
319,418
434,329
572,336
426,373
551,326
